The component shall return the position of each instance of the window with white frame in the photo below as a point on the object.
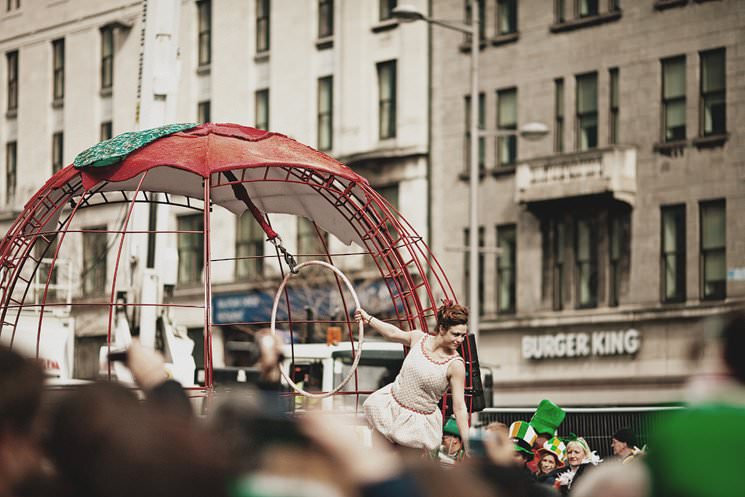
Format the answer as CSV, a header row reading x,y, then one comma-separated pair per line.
x,y
587,111
204,25
262,25
674,98
507,122
673,253
249,247
325,121
713,247
107,57
506,268
190,242
482,139
713,93
386,99
261,109
11,59
58,69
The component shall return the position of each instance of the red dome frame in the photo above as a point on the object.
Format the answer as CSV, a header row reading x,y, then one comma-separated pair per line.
x,y
209,164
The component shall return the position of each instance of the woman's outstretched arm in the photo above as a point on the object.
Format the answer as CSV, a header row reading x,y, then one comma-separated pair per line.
x,y
389,331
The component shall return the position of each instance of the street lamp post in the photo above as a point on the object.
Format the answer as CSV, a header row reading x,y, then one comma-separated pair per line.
x,y
408,13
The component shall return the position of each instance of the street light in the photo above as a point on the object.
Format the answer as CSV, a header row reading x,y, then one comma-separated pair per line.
x,y
409,13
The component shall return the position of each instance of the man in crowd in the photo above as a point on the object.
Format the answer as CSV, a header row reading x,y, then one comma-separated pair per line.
x,y
623,444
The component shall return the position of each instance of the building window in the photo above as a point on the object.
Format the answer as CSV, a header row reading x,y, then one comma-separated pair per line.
x,y
249,247
390,194
587,8
559,11
203,112
106,131
325,18
559,273
482,140
613,120
506,268
673,253
44,249
585,250
11,171
12,64
554,253
587,111
506,121
95,252
387,99
386,9
311,242
57,151
617,254
190,248
713,250
559,115
482,18
13,5
506,17
262,25
713,102
107,58
262,109
58,69
204,24
325,119
466,272
674,98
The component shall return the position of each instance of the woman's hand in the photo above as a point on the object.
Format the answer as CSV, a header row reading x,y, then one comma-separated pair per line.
x,y
361,314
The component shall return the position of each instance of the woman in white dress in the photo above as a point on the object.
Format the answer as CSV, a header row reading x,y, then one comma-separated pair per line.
x,y
406,412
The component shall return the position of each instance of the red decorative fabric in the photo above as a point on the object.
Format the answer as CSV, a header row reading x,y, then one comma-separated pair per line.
x,y
210,148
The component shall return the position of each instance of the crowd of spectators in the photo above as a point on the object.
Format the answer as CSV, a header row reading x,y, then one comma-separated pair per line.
x,y
107,440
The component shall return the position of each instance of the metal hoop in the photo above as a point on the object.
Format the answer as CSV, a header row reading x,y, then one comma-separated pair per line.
x,y
358,354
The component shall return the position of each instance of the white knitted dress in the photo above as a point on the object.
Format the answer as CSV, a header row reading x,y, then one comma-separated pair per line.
x,y
406,411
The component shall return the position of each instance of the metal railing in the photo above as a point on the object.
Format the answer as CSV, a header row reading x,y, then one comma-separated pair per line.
x,y
596,424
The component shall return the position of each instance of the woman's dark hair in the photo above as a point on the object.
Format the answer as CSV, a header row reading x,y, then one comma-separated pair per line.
x,y
449,315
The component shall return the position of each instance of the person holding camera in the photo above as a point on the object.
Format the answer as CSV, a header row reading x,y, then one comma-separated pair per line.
x,y
406,411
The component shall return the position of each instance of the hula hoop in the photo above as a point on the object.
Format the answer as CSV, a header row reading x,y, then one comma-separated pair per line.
x,y
358,354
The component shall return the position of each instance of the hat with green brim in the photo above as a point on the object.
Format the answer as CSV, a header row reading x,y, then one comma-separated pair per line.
x,y
451,428
523,437
555,447
547,417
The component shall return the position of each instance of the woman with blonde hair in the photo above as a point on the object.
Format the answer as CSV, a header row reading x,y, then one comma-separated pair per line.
x,y
579,460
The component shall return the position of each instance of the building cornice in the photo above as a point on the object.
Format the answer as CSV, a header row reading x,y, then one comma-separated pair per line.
x,y
118,17
623,314
388,153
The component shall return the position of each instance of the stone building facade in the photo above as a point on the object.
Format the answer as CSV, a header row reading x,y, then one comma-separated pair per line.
x,y
343,77
607,242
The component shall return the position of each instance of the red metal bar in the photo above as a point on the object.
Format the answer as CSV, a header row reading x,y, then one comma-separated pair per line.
x,y
112,295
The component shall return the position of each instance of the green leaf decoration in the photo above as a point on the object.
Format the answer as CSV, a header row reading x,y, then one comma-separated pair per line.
x,y
110,152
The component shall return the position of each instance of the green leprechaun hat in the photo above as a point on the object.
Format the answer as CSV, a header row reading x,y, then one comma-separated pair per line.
x,y
523,436
547,417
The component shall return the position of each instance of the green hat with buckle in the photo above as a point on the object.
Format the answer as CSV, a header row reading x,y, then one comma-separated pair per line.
x,y
547,418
